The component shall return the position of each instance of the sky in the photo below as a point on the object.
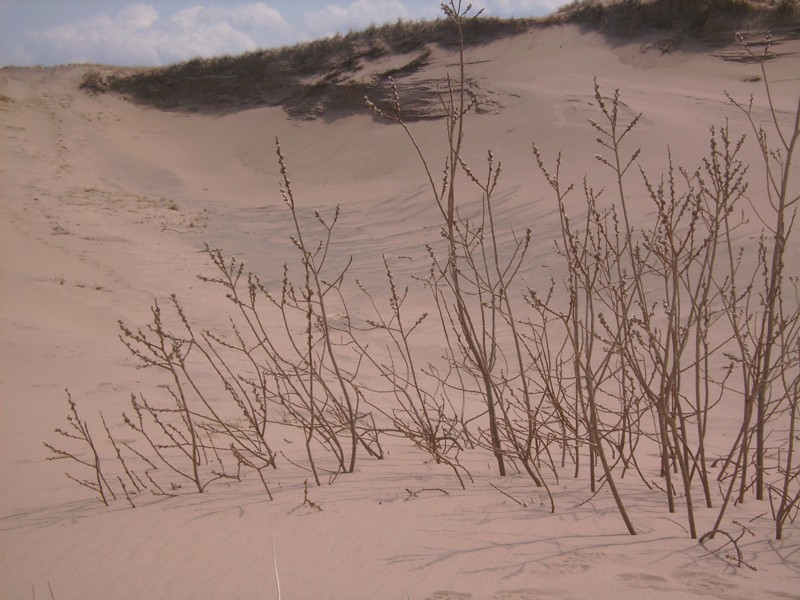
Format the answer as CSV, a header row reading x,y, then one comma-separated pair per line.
x,y
125,33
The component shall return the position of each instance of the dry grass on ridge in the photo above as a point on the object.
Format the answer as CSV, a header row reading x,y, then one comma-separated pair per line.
x,y
313,78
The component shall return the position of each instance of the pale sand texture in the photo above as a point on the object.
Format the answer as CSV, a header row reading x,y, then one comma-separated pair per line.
x,y
106,206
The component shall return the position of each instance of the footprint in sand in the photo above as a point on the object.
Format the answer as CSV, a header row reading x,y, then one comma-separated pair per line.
x,y
647,581
529,594
782,595
445,595
574,562
706,582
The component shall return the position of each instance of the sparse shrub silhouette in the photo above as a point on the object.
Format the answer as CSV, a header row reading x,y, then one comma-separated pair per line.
x,y
654,327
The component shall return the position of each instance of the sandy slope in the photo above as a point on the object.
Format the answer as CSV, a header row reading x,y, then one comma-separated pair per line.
x,y
106,206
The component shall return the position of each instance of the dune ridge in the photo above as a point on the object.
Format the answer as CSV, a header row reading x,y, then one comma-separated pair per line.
x,y
329,78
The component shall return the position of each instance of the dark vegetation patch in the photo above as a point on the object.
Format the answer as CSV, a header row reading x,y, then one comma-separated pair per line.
x,y
308,80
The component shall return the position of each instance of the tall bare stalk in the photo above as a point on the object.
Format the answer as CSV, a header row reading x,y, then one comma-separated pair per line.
x,y
764,327
78,430
470,306
587,258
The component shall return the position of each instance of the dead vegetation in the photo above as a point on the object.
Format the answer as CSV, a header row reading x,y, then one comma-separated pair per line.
x,y
652,326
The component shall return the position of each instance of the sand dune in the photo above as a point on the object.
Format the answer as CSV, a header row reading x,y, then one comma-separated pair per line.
x,y
106,206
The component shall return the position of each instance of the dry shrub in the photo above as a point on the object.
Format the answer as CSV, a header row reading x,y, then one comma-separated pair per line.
x,y
653,325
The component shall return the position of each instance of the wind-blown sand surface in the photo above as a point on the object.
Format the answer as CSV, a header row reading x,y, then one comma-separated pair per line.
x,y
106,206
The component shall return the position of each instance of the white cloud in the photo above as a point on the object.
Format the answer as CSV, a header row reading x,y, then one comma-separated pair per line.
x,y
144,34
137,16
139,35
519,8
256,16
359,14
